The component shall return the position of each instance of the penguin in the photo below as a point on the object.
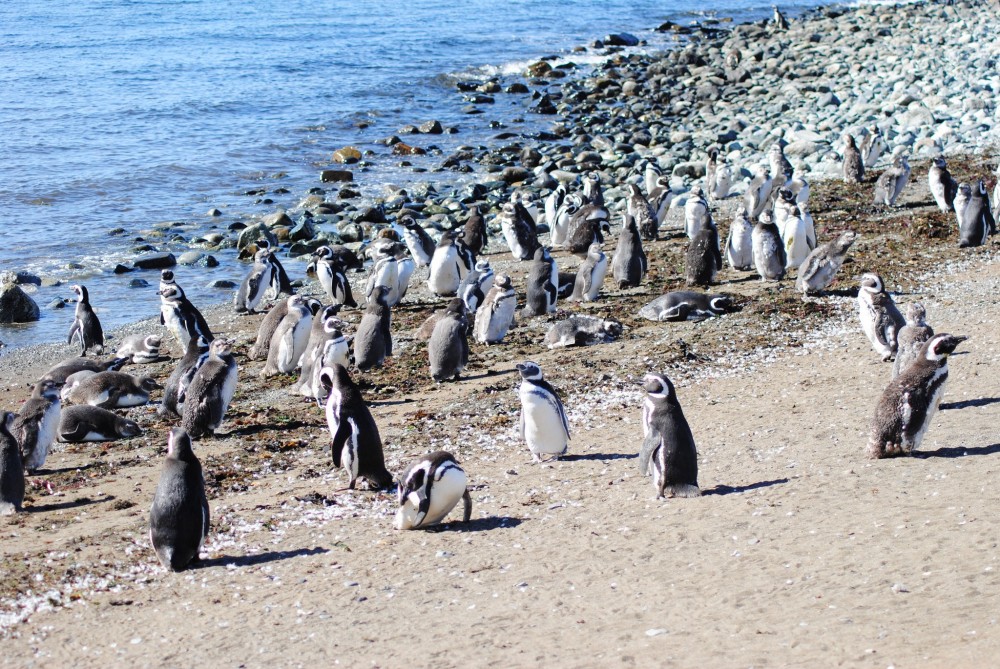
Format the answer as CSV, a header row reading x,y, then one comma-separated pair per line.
x,y
280,283
140,349
211,390
853,167
800,189
721,180
476,285
72,381
290,338
418,241
909,402
180,518
91,423
819,269
739,244
778,20
976,222
768,251
892,182
11,468
996,193
660,198
36,424
266,329
559,227
429,489
446,268
963,196
590,276
686,305
355,442
63,370
943,187
586,227
784,203
880,319
582,330
781,169
629,263
404,270
711,165
336,351
703,258
496,314
319,334
668,452
651,175
175,390
552,204
332,275
872,146
758,193
86,326
911,337
592,193
385,272
255,283
543,422
112,390
696,213
798,242
541,285
373,339
521,238
645,216
448,348
526,205
180,316
475,233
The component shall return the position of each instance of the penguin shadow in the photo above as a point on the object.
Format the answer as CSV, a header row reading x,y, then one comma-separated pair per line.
x,y
477,525
723,489
63,470
71,504
573,457
248,430
260,558
841,292
967,404
958,451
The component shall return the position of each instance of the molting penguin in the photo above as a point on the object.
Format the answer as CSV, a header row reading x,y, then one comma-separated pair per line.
x,y
892,182
686,305
448,348
582,330
91,423
290,338
496,314
668,452
872,146
212,388
853,168
592,193
475,233
63,370
910,401
265,331
758,193
332,275
429,489
629,263
180,316
543,419
911,337
356,444
112,390
590,276
373,339
781,169
768,250
446,271
586,227
476,285
521,238
798,241
703,259
880,319
541,285
256,282
180,517
418,241
175,390
11,468
645,216
36,424
719,184
943,187
86,326
660,198
819,269
739,245
140,349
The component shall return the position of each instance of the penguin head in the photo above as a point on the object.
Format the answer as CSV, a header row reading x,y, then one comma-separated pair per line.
x,y
334,376
314,305
220,347
786,195
915,313
720,304
659,387
407,222
388,233
503,281
153,342
483,266
766,217
633,191
713,153
939,347
456,307
965,190
849,142
179,445
323,252
128,428
845,240
379,295
148,383
7,424
872,283
48,389
296,302
166,276
530,371
80,292
333,326
939,161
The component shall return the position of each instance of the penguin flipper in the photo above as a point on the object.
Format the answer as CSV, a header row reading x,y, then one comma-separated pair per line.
x,y
467,500
339,439
74,331
649,446
77,434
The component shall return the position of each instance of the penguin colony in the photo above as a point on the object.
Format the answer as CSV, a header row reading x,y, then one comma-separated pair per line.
x,y
772,235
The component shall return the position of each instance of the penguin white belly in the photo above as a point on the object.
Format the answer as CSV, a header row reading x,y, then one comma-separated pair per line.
x,y
655,473
131,400
554,282
932,407
597,279
444,276
97,436
262,287
228,390
349,454
173,322
47,430
387,275
405,270
293,345
492,327
99,398
445,494
543,426
325,276
796,243
510,235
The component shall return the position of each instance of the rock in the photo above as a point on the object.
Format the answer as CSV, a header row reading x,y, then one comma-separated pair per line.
x,y
431,128
23,278
544,106
370,215
517,88
252,233
346,155
190,257
621,39
303,230
514,174
214,212
16,306
350,232
278,219
802,148
539,69
155,261
138,283
328,176
401,149
114,232
57,303
210,261
121,269
222,284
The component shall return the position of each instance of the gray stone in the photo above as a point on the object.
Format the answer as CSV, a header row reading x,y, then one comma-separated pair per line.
x,y
222,284
621,39
328,176
802,148
155,261
138,283
190,257
303,230
57,303
16,306
253,233
431,128
515,174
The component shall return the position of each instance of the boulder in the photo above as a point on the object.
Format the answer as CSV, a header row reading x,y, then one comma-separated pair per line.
x,y
346,155
432,128
328,176
16,306
155,261
252,233
278,219
190,258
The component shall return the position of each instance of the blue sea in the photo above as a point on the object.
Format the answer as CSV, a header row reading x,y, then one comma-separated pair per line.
x,y
135,113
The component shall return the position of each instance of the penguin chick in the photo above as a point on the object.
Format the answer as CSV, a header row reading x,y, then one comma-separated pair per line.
x,y
212,388
854,167
892,182
373,339
582,330
448,348
943,187
880,319
179,519
911,337
816,273
629,263
36,424
290,338
11,467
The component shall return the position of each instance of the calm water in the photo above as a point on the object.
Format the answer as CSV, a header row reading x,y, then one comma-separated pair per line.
x,y
132,113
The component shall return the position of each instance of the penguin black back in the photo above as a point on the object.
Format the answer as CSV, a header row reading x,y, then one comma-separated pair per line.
x,y
355,441
179,519
11,467
668,447
86,326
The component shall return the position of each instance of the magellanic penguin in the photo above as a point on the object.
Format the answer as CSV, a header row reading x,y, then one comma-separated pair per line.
x,y
319,334
781,169
872,146
86,326
820,268
590,276
112,390
711,165
336,351
778,20
784,204
11,467
385,272
553,202
418,241
405,267
373,338
476,285
910,401
645,216
63,370
703,258
586,226
37,423
175,390
911,337
429,489
475,233
696,213
91,423
592,193
853,167
355,441
768,250
521,238
976,222
880,319
140,349
892,182
543,419
211,390
180,316
628,266
943,186
799,238
257,281
448,348
447,267
718,183
651,174
290,338
660,198
496,314
265,331
739,244
758,193
559,227
541,285
686,305
180,518
332,275
668,453
582,330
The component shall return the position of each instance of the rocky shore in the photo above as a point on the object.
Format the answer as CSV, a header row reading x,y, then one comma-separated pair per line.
x,y
782,562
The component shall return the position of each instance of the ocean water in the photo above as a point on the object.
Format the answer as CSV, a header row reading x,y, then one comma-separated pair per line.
x,y
134,113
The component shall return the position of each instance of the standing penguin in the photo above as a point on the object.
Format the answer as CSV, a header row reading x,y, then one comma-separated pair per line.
x,y
496,314
768,250
256,282
758,193
541,285
629,263
911,337
332,275
265,331
318,335
177,384
180,316
86,325
910,401
418,241
543,419
651,174
976,222
739,245
781,169
943,187
290,338
668,452
853,167
696,213
356,444
446,267
448,348
798,241
721,181
872,146
892,182
180,518
703,259
476,285
521,238
590,276
660,198
429,489
645,216
592,192
476,234
11,468
559,227
336,351
586,227
552,204
37,423
819,269
880,319
211,390
385,272
373,339
404,270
